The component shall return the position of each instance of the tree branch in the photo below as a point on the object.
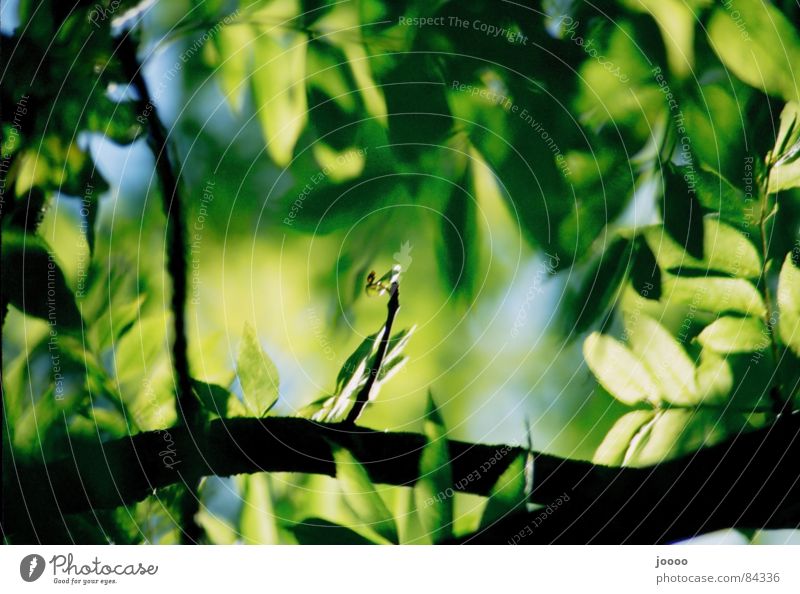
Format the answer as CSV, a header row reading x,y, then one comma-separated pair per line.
x,y
752,481
187,405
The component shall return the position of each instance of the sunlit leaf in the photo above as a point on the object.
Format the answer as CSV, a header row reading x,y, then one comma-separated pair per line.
x,y
788,132
355,372
611,451
279,90
758,44
784,159
32,426
789,304
619,371
510,493
362,497
725,250
665,358
672,433
235,46
136,354
216,529
622,88
342,26
343,166
714,295
433,491
785,174
715,380
731,335
257,522
257,374
676,19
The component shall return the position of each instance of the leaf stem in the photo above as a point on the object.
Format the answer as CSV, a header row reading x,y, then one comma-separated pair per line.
x,y
363,395
778,402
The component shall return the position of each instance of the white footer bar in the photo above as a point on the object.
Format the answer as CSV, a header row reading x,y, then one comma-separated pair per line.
x,y
407,570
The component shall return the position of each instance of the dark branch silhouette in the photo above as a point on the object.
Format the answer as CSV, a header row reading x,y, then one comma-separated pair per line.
x,y
187,405
752,481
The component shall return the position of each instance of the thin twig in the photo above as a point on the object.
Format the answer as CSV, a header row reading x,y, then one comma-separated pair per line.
x,y
776,393
187,405
363,395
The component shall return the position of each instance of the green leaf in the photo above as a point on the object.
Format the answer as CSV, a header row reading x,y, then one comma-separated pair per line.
x,y
89,205
785,174
34,284
416,102
434,489
362,497
683,215
234,44
316,531
621,90
214,398
216,529
601,284
676,20
611,451
510,493
670,366
789,304
257,522
32,426
460,240
355,372
784,159
356,363
279,90
714,295
731,335
726,250
328,207
788,132
619,371
715,380
343,27
672,433
411,529
218,400
718,195
645,273
257,374
760,46
136,354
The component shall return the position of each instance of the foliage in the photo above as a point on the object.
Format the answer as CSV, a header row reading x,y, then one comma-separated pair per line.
x,y
651,155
